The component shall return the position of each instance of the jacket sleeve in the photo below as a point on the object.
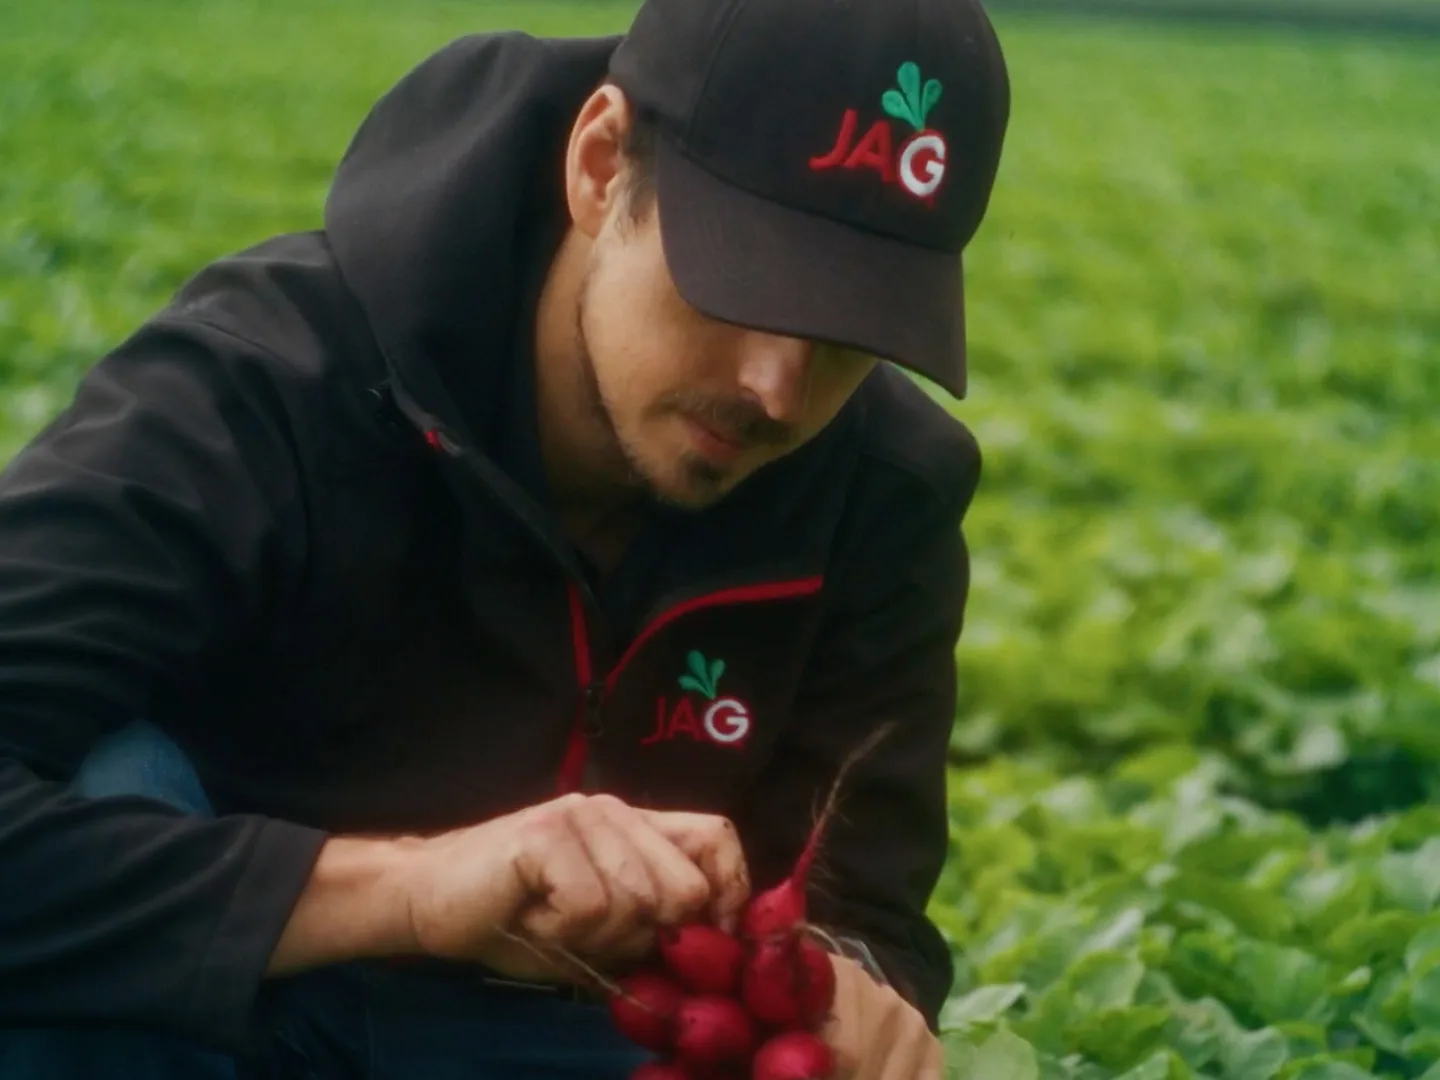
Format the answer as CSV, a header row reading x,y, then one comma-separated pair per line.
x,y
886,653
144,535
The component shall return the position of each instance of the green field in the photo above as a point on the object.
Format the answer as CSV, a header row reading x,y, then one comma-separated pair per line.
x,y
1199,743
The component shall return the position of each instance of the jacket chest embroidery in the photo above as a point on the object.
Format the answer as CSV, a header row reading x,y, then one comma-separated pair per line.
x,y
700,712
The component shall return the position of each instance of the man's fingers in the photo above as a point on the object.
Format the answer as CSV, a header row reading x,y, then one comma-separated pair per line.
x,y
846,1031
932,1062
713,844
603,873
682,889
632,885
556,867
912,1053
919,1057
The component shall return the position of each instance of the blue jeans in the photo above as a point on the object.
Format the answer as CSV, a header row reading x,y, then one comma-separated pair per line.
x,y
345,1022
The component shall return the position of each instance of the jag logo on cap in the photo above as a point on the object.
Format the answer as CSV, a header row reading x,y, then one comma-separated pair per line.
x,y
917,164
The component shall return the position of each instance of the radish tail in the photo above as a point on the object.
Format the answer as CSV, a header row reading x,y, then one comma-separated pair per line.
x,y
569,957
812,845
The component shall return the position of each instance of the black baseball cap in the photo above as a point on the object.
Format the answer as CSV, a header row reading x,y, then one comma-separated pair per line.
x,y
822,164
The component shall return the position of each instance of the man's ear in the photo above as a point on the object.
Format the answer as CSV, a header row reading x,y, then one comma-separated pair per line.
x,y
595,161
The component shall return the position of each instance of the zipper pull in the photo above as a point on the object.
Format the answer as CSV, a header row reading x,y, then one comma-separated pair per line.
x,y
593,728
594,701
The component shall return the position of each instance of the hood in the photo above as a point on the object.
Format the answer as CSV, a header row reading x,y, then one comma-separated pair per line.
x,y
447,204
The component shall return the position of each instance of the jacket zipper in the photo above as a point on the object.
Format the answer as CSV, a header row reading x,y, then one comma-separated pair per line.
x,y
576,771
576,768
510,495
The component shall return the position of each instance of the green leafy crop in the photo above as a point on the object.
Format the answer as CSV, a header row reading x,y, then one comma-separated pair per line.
x,y
1195,766
1143,923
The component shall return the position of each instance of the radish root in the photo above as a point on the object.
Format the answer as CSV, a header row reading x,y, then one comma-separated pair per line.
x,y
823,936
570,958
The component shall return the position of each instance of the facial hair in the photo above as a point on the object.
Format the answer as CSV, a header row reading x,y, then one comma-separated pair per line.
x,y
614,458
740,419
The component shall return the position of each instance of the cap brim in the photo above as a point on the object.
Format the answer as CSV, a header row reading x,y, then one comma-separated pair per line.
x,y
748,261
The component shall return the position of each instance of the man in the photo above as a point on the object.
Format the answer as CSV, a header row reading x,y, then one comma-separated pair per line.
x,y
508,567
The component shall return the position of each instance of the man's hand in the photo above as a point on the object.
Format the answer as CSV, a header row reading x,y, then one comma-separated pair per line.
x,y
592,875
876,1034
588,874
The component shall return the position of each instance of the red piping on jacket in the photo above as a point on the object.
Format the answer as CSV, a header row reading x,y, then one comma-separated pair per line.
x,y
577,752
578,749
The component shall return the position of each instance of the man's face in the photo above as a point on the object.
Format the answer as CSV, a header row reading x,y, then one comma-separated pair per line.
x,y
693,406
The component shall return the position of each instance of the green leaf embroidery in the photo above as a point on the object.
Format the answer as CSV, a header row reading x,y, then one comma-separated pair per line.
x,y
695,661
909,79
896,106
911,103
932,95
703,675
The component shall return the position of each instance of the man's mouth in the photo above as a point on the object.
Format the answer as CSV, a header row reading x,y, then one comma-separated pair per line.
x,y
716,445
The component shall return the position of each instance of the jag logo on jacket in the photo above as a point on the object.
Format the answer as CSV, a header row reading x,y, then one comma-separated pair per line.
x,y
724,720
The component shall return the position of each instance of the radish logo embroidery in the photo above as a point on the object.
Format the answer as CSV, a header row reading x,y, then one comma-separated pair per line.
x,y
724,720
919,164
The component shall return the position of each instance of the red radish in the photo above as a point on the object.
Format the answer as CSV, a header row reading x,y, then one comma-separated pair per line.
x,y
782,908
712,1032
661,1070
704,958
789,983
646,1008
794,1055
785,981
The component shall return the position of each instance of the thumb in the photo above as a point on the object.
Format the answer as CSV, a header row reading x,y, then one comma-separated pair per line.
x,y
848,1031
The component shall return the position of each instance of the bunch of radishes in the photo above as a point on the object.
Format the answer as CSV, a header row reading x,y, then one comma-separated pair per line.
x,y
742,1006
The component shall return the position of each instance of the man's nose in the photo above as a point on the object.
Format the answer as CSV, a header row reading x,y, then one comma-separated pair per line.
x,y
776,371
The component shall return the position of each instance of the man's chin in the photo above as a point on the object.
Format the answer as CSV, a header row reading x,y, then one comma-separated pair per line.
x,y
689,482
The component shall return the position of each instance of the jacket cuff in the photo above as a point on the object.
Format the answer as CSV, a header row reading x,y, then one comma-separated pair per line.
x,y
228,980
